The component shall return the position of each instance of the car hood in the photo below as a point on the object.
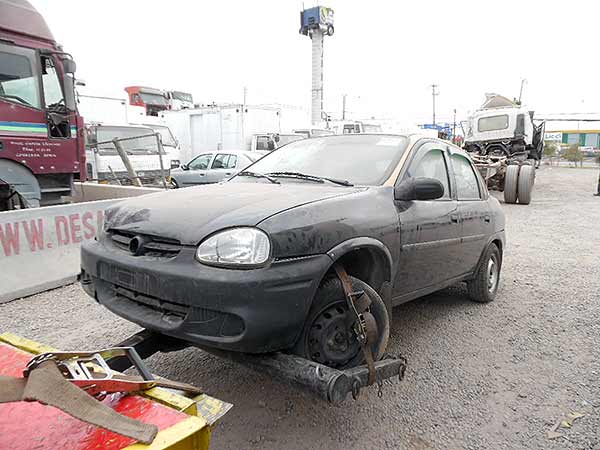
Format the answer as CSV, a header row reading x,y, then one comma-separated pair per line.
x,y
188,215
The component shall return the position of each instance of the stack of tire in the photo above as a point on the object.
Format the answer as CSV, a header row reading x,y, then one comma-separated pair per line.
x,y
518,183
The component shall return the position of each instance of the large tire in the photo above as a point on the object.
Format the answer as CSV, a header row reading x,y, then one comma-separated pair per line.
x,y
329,319
484,285
510,183
526,179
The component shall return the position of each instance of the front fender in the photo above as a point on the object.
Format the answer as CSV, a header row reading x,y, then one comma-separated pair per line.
x,y
369,243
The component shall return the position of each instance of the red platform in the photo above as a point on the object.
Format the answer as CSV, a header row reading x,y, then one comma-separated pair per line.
x,y
31,425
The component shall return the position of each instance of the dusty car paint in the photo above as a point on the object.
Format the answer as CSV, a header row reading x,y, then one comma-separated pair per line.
x,y
416,247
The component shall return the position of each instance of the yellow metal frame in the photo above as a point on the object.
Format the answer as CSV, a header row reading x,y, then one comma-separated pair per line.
x,y
192,433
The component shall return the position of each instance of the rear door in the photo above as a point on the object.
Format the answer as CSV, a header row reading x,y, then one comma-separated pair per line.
x,y
222,167
475,217
429,230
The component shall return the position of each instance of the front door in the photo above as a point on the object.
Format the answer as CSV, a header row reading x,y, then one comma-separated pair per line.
x,y
429,230
196,170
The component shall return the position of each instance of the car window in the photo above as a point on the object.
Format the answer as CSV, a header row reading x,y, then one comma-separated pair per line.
x,y
467,187
432,165
220,161
200,162
231,162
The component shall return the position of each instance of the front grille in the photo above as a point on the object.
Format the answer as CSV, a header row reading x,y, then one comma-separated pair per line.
x,y
153,246
203,321
153,303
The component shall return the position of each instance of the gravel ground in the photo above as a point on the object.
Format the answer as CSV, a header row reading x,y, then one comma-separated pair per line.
x,y
495,376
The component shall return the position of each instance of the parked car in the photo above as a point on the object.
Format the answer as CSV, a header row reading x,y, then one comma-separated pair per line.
x,y
248,265
212,167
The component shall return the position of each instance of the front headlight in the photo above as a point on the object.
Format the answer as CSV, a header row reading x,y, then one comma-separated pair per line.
x,y
237,247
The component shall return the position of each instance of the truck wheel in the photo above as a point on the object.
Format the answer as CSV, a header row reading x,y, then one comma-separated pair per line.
x,y
484,285
328,337
510,183
526,179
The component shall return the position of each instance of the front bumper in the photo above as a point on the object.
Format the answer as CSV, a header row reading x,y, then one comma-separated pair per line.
x,y
252,311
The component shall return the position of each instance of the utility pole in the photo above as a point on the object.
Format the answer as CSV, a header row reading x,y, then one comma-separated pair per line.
x,y
434,92
344,106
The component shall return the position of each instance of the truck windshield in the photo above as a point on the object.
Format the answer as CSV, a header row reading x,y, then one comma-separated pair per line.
x,y
183,96
145,145
493,123
154,99
362,159
18,82
168,140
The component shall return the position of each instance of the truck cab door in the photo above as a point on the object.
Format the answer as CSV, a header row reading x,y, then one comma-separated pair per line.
x,y
429,229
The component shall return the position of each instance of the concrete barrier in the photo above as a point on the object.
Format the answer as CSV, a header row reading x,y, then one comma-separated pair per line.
x,y
89,192
39,247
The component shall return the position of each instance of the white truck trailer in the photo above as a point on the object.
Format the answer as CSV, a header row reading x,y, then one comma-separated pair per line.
x,y
226,127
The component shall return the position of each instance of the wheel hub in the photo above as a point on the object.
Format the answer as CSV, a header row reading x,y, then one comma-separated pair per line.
x,y
331,340
492,274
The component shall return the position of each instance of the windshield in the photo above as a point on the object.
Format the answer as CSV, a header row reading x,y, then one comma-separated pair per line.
x,y
168,139
18,82
183,96
360,159
153,99
493,123
146,145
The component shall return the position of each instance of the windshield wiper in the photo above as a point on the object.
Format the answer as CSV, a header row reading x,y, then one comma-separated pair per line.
x,y
248,173
315,178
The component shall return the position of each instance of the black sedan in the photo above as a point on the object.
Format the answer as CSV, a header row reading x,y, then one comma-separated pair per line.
x,y
248,265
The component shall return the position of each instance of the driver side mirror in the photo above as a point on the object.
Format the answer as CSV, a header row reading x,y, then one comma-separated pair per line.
x,y
271,145
419,189
184,167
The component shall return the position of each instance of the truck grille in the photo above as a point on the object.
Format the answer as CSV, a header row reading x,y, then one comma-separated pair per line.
x,y
152,246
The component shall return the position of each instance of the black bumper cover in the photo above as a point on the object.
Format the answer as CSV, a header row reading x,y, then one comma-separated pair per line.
x,y
252,311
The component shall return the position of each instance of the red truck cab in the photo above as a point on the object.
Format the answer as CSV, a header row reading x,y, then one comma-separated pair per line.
x,y
41,133
153,100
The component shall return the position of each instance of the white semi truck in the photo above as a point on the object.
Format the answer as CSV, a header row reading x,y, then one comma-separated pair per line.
x,y
506,145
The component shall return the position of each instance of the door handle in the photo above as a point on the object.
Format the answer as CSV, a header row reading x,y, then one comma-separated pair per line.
x,y
454,218
227,173
486,219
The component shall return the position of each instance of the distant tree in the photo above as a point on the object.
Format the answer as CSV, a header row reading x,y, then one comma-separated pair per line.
x,y
550,150
573,154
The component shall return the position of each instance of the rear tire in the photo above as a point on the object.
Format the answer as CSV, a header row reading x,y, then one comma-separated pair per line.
x,y
510,183
327,337
484,285
525,185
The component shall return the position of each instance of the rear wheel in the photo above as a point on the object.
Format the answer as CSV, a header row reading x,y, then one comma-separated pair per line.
x,y
525,185
484,285
328,336
510,183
